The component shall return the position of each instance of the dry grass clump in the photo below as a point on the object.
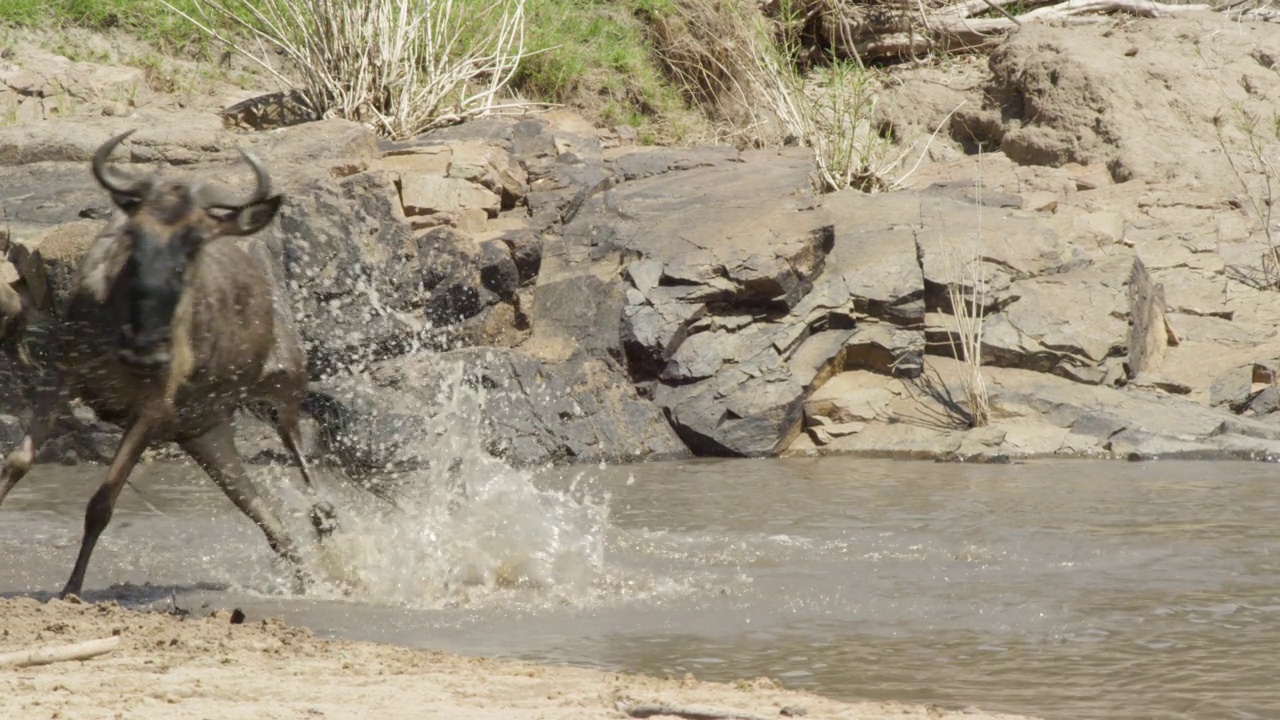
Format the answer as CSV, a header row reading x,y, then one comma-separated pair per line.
x,y
746,69
403,66
967,292
712,51
1260,196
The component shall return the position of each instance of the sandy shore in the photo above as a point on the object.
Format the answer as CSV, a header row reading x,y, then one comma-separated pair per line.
x,y
209,669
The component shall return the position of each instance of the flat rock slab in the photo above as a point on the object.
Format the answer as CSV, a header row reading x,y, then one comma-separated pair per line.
x,y
1034,414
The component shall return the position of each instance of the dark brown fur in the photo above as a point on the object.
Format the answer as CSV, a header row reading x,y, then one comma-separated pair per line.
x,y
227,342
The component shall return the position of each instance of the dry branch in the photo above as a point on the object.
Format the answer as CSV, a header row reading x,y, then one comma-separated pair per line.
x,y
956,30
872,32
61,653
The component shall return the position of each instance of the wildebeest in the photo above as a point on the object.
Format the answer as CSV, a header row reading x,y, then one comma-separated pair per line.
x,y
170,327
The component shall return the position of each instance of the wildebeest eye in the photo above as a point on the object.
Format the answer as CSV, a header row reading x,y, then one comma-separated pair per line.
x,y
127,203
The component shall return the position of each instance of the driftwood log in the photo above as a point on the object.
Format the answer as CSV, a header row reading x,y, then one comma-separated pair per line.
x,y
61,653
867,31
647,710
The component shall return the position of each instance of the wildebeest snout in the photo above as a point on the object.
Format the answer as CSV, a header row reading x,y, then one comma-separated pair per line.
x,y
146,350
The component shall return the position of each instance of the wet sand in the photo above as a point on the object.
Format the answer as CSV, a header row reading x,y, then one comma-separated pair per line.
x,y
167,667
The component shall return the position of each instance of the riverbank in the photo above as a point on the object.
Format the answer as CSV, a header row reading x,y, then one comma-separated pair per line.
x,y
205,667
1127,283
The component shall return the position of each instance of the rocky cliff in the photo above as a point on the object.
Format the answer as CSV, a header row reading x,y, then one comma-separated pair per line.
x,y
622,302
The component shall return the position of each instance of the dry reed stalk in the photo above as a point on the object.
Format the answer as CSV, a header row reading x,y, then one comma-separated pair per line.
x,y
967,291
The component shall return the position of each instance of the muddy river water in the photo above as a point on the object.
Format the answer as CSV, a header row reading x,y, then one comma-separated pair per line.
x,y
1063,589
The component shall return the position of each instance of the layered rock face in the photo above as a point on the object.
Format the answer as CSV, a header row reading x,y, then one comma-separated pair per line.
x,y
618,302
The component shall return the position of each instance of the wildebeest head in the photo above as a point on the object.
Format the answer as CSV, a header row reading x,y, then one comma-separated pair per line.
x,y
166,225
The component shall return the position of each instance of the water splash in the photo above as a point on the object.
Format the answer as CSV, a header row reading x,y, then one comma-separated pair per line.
x,y
470,528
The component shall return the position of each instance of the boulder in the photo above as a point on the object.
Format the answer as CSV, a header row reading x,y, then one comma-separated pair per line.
x,y
491,167
1265,401
347,253
1035,414
683,279
875,254
425,194
450,264
1148,330
1233,388
527,412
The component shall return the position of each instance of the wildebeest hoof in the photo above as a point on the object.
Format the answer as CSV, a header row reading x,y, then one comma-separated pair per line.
x,y
324,517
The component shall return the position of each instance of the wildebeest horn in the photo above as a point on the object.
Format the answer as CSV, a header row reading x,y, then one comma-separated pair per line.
x,y
113,180
218,197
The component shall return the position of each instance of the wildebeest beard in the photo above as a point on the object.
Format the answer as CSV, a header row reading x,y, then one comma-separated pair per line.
x,y
155,273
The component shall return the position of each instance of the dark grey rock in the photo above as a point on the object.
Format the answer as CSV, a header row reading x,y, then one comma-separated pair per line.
x,y
79,437
1266,401
736,414
644,162
366,428
581,410
526,252
449,261
1232,388
345,249
498,272
12,430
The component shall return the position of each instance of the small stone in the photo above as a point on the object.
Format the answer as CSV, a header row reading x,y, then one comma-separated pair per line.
x,y
820,436
845,429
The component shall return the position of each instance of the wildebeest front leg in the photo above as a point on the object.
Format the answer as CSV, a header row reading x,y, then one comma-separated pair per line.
x,y
215,452
50,402
103,502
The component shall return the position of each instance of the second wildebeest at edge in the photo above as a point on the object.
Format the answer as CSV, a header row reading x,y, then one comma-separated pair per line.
x,y
170,328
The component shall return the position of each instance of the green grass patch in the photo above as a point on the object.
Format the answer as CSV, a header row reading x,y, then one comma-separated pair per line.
x,y
148,20
595,56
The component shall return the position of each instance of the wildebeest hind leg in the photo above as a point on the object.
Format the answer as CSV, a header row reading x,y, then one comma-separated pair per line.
x,y
215,452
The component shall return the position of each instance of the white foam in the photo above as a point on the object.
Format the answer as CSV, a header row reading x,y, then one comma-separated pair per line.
x,y
472,528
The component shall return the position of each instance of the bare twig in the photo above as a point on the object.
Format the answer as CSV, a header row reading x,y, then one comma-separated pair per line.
x,y
901,181
1247,123
1002,11
969,8
61,653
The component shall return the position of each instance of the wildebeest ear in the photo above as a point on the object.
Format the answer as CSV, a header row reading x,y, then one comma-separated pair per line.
x,y
248,219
